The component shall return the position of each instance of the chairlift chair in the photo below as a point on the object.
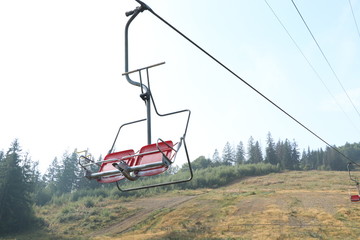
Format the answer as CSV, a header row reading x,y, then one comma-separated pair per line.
x,y
153,158
354,197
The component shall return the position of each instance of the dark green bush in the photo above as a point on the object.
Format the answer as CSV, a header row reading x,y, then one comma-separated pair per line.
x,y
89,203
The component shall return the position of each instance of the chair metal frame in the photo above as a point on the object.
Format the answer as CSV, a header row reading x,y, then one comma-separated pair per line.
x,y
354,198
128,171
126,168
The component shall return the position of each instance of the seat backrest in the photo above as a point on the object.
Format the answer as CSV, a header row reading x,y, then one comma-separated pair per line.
x,y
151,154
112,158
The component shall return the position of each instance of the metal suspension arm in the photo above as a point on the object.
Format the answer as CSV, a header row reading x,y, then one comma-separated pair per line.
x,y
133,15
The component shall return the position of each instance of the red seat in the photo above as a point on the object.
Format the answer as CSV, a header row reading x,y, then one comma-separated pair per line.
x,y
151,154
355,198
115,157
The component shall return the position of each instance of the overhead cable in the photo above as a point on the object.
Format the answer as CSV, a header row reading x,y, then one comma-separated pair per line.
x,y
327,61
352,11
311,66
246,83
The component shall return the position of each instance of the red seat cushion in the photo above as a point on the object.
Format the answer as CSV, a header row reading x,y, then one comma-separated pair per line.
x,y
151,154
115,157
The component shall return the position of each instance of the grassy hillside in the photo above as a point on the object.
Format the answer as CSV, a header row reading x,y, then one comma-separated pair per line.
x,y
290,205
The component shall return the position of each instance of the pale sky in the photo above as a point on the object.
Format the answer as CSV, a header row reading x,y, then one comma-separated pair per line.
x,y
61,64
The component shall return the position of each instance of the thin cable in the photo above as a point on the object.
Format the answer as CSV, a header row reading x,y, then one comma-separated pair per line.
x,y
352,11
250,86
311,66
327,61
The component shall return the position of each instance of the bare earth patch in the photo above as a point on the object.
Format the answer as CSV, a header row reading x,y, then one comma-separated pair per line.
x,y
147,206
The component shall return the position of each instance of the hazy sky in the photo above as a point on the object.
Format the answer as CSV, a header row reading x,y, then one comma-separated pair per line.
x,y
61,64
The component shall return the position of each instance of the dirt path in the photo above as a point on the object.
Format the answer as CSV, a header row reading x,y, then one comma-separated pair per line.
x,y
147,205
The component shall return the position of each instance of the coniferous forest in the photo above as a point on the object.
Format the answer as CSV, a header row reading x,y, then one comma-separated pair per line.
x,y
22,185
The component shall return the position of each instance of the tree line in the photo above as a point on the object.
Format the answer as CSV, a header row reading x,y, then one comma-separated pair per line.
x,y
22,185
286,154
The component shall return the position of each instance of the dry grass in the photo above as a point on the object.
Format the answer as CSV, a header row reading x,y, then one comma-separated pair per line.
x,y
289,205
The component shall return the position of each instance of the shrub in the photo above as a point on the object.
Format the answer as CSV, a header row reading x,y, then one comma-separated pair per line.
x,y
60,200
89,203
42,197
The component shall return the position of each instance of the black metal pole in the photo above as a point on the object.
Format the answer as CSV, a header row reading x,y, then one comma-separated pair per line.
x,y
147,99
148,117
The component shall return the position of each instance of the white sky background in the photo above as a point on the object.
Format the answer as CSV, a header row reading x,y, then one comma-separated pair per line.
x,y
61,64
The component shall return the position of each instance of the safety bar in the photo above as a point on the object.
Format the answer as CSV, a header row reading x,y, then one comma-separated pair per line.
x,y
90,175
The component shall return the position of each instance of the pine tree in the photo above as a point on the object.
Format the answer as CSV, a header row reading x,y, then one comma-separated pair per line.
x,y
304,161
216,158
283,152
240,153
30,173
335,161
250,150
53,172
295,156
228,154
15,203
68,178
258,158
254,151
270,156
40,193
310,159
320,159
51,177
